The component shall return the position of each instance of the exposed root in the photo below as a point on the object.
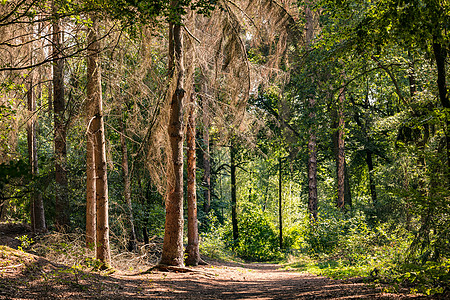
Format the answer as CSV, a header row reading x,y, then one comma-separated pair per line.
x,y
166,268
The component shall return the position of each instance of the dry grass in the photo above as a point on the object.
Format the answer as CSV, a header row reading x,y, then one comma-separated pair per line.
x,y
69,249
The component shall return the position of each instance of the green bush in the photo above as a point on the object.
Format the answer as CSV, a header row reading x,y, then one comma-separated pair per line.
x,y
258,238
323,235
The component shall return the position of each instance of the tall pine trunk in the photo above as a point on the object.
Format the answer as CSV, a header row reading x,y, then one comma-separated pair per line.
x,y
94,94
340,152
90,184
280,202
172,253
37,204
127,184
234,220
312,143
206,158
192,249
37,214
62,220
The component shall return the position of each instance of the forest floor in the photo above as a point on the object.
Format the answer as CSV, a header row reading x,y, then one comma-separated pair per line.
x,y
28,276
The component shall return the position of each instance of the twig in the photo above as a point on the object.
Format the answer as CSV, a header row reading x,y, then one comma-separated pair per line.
x,y
10,267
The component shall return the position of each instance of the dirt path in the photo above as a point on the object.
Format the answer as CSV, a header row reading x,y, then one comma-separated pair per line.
x,y
38,278
249,281
27,276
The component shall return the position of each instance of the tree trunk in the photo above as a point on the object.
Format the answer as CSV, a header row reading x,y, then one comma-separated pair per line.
x,y
37,204
234,221
94,91
90,185
373,191
340,152
192,250
440,54
312,146
62,219
206,158
280,202
172,253
127,184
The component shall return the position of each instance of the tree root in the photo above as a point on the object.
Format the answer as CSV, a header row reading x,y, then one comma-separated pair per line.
x,y
180,269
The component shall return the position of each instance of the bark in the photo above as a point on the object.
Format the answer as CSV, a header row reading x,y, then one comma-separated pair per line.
x,y
280,202
340,153
206,159
312,144
234,221
62,219
37,204
90,190
172,253
127,185
192,250
94,93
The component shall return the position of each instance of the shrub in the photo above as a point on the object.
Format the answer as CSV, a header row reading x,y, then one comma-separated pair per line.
x,y
258,238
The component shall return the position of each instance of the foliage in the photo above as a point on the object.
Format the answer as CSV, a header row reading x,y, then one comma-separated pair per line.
x,y
258,239
212,242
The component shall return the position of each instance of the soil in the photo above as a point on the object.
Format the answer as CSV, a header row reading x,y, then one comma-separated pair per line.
x,y
27,276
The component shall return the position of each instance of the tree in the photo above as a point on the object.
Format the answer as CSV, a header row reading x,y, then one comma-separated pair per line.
x,y
192,249
234,220
62,208
37,204
126,182
312,144
172,253
96,133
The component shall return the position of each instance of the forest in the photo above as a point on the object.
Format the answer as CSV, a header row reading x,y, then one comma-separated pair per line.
x,y
313,135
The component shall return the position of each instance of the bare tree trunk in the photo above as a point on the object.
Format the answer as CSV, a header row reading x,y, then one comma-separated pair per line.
x,y
440,54
172,253
312,144
373,191
234,221
192,250
90,188
340,152
127,184
206,158
280,202
62,220
97,127
37,204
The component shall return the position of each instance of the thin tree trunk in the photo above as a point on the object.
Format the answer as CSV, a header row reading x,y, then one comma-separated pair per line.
x,y
62,220
206,158
97,126
192,249
37,204
373,191
234,221
90,189
280,202
312,144
172,253
127,184
340,153
440,54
